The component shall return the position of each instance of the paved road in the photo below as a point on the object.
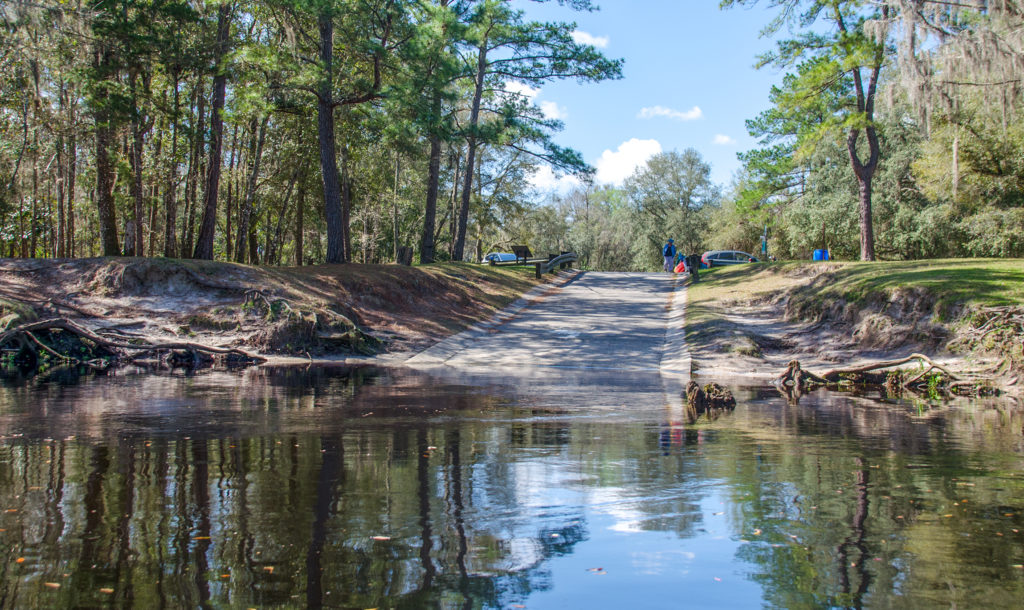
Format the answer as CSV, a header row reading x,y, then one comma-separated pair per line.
x,y
615,322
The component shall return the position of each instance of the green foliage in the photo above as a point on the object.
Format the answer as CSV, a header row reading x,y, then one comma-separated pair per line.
x,y
949,181
400,77
671,197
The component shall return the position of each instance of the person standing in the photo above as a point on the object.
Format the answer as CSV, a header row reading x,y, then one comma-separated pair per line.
x,y
669,252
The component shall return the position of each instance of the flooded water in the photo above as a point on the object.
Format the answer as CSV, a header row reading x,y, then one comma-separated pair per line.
x,y
364,488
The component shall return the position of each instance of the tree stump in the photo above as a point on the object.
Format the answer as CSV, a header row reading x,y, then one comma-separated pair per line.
x,y
711,397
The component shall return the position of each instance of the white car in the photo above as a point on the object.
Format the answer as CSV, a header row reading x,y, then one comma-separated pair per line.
x,y
498,257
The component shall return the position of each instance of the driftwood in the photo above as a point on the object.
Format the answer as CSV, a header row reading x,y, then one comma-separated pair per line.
x,y
107,351
932,378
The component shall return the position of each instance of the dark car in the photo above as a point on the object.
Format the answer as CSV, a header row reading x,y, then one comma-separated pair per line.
x,y
720,258
499,257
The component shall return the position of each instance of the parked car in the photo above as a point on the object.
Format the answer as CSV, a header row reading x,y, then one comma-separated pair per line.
x,y
499,257
720,258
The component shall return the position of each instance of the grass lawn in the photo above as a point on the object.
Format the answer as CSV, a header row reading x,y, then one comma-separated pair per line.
x,y
982,282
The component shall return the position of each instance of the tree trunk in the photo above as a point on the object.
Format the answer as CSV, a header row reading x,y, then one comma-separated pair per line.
x,y
956,163
865,172
467,189
394,205
106,175
245,211
328,152
346,205
135,156
171,186
154,194
867,235
430,214
10,191
427,242
232,191
299,211
253,241
61,227
60,250
72,170
204,245
195,168
33,215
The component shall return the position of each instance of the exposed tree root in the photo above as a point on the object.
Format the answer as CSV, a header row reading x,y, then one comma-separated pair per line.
x,y
932,379
994,331
711,399
298,329
89,348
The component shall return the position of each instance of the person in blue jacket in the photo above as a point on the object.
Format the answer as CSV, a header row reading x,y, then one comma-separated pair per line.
x,y
669,252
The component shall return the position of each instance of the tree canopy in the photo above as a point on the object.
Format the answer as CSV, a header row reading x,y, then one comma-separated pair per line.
x,y
328,131
273,131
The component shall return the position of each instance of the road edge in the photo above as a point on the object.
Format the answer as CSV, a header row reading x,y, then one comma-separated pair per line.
x,y
677,360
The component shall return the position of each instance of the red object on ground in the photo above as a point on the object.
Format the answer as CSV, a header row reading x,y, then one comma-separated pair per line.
x,y
680,267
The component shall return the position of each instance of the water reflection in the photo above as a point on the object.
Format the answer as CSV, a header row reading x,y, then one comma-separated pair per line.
x,y
367,487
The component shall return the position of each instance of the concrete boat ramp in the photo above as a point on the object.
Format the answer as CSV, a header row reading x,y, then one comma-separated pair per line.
x,y
584,325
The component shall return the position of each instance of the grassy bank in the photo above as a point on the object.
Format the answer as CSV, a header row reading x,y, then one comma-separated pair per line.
x,y
931,305
952,284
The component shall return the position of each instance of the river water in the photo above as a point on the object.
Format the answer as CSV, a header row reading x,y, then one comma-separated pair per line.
x,y
364,488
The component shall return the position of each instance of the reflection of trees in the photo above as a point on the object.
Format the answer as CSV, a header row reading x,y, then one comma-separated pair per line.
x,y
853,546
268,490
329,477
852,503
216,515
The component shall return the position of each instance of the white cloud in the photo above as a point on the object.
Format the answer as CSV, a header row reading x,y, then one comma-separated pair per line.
x,y
581,37
614,167
544,179
660,111
723,140
521,88
552,110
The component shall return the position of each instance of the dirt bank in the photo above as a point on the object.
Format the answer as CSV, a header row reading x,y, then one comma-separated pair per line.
x,y
750,321
329,311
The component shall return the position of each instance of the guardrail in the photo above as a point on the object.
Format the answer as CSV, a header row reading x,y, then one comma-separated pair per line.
x,y
544,265
562,261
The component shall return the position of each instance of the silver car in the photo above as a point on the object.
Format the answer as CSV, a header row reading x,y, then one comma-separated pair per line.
x,y
720,258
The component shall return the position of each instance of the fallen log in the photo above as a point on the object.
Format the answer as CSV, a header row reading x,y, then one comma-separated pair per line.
x,y
26,337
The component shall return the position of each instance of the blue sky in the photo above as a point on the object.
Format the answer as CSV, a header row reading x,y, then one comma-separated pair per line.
x,y
688,82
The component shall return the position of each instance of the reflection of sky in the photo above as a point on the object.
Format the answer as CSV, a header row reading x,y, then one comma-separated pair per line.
x,y
659,569
633,540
